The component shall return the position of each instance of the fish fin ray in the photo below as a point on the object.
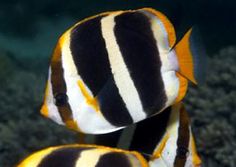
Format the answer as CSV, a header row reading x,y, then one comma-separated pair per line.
x,y
191,56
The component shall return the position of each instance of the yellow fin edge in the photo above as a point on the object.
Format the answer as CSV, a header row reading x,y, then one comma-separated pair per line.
x,y
35,158
167,24
195,157
160,148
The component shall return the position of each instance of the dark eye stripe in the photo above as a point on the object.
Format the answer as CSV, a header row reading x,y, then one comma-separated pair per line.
x,y
58,84
61,99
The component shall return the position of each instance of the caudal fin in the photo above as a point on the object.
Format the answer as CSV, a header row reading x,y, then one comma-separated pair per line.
x,y
191,56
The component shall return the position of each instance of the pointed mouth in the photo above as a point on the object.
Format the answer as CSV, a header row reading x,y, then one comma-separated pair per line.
x,y
44,110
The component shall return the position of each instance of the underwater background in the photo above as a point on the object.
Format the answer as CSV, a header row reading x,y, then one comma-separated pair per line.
x,y
29,31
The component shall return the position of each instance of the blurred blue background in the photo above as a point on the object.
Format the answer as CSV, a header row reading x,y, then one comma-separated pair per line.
x,y
29,31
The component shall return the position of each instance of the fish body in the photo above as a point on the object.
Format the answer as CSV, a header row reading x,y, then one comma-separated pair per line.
x,y
176,147
118,68
84,156
171,145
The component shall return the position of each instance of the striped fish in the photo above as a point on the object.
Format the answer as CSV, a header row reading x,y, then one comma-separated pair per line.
x,y
84,156
165,139
118,68
171,145
177,146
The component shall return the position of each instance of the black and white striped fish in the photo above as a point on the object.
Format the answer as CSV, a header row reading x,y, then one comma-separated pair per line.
x,y
117,68
84,156
168,142
177,146
165,140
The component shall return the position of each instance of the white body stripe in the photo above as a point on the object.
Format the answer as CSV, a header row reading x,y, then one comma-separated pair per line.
x,y
171,85
89,158
120,72
71,76
159,32
93,122
168,59
88,120
158,163
169,152
190,160
53,112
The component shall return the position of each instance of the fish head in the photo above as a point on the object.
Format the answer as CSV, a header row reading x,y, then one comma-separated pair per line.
x,y
51,102
68,100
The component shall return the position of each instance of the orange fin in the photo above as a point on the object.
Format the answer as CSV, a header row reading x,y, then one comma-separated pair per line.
x,y
158,152
195,157
191,56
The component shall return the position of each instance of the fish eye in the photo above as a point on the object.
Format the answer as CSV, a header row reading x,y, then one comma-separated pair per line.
x,y
61,99
182,152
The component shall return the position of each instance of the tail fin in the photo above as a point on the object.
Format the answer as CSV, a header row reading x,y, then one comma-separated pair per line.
x,y
191,56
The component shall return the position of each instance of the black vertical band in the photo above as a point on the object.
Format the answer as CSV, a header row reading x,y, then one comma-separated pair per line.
x,y
91,59
148,133
112,105
183,139
114,159
139,50
90,55
109,139
64,157
58,83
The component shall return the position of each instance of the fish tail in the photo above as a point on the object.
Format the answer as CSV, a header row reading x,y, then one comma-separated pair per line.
x,y
191,56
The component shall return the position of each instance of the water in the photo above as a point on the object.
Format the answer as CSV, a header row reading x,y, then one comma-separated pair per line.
x,y
28,34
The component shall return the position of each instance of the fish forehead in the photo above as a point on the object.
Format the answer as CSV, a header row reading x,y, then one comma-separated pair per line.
x,y
49,106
